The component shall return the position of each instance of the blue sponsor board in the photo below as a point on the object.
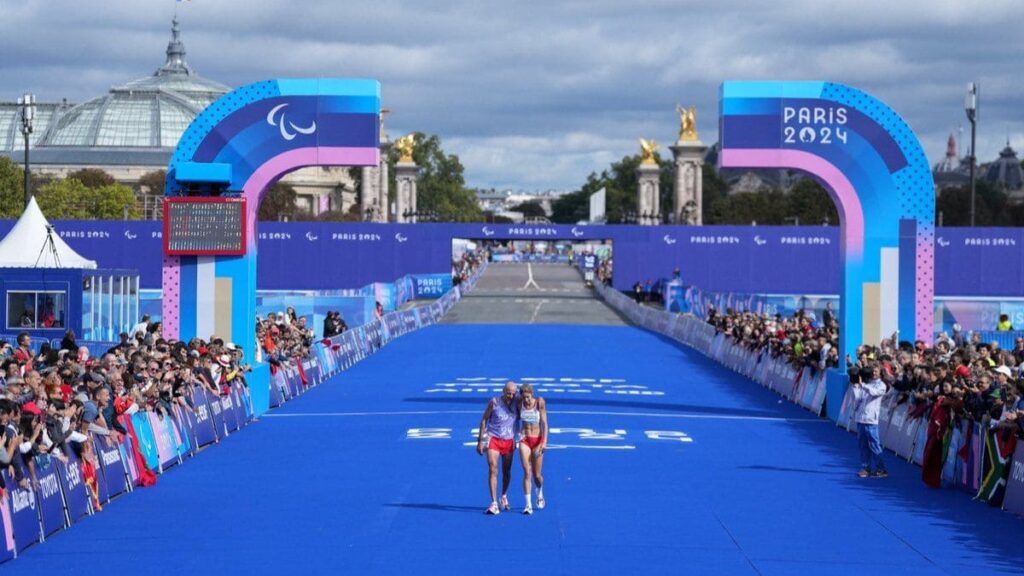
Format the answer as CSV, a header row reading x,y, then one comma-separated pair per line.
x,y
745,259
51,505
73,484
24,512
429,286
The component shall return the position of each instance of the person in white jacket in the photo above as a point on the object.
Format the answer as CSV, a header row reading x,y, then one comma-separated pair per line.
x,y
868,390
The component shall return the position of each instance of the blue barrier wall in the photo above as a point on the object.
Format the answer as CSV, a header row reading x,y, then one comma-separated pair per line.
x,y
751,259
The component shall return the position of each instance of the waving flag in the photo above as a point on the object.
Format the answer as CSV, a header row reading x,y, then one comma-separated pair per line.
x,y
999,447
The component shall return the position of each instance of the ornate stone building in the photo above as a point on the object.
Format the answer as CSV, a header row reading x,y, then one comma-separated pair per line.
x,y
133,129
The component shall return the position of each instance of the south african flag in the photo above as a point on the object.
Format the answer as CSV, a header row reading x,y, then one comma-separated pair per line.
x,y
999,446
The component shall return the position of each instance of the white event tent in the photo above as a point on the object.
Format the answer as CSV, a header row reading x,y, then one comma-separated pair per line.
x,y
27,245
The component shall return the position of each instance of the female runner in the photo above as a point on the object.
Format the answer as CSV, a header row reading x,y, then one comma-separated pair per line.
x,y
533,418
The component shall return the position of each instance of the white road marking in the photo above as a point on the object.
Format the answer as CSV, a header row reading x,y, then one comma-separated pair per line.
x,y
530,280
566,412
535,311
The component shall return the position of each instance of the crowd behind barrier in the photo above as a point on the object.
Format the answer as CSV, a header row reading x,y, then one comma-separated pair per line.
x,y
953,412
81,430
536,258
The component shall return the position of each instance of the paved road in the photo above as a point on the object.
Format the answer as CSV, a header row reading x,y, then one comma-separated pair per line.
x,y
519,293
659,462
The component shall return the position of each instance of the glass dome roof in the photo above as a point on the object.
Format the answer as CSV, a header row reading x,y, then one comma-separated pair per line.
x,y
150,112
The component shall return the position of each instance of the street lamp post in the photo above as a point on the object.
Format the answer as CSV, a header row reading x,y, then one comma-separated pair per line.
x,y
28,115
971,108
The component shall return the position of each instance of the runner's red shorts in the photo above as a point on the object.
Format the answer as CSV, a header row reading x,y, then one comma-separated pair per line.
x,y
503,447
533,441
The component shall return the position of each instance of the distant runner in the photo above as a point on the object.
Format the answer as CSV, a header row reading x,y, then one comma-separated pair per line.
x,y
499,422
533,417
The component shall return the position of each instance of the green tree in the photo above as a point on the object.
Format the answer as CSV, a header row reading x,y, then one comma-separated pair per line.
x,y
278,204
620,183
714,187
12,195
811,203
572,207
747,207
92,177
69,199
441,186
992,207
531,209
152,183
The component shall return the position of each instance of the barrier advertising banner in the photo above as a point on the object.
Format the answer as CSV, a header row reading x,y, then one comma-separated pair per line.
x,y
1014,500
73,485
24,515
51,504
109,455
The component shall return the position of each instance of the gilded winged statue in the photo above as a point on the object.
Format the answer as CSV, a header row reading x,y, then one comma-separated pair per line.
x,y
405,146
687,123
647,148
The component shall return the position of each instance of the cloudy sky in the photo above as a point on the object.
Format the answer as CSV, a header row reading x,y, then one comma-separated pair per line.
x,y
536,95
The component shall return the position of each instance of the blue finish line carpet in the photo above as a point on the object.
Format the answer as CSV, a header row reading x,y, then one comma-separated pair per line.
x,y
660,462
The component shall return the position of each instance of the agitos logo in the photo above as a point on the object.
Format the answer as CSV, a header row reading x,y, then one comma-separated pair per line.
x,y
274,120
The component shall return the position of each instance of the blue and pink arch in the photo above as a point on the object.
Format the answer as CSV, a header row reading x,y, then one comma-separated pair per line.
x,y
242,144
874,168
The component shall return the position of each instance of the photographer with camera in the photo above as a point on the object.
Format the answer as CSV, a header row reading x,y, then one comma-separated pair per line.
x,y
868,390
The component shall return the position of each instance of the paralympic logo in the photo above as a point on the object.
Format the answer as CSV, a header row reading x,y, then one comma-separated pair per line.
x,y
576,233
280,123
487,231
400,238
668,239
128,234
760,241
311,237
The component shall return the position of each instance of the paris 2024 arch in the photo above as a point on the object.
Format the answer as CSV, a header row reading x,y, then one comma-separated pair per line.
x,y
874,168
224,163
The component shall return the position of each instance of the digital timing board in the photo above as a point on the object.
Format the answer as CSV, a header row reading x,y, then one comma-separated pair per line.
x,y
204,226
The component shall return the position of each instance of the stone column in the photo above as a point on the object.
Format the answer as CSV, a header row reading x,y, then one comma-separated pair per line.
x,y
405,195
688,199
647,194
384,186
369,193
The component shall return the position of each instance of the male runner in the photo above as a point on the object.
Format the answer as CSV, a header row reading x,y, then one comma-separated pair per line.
x,y
499,421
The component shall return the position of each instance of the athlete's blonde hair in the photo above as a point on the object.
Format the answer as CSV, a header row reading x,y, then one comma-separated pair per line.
x,y
525,388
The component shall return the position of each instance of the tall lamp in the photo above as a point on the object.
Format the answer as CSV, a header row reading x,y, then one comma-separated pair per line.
x,y
28,115
971,107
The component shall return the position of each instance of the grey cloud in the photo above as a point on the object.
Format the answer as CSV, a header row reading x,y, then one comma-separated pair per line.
x,y
539,94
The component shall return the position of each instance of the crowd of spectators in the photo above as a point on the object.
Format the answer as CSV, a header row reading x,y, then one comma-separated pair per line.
x,y
959,377
604,272
970,378
467,265
284,337
334,324
54,399
802,339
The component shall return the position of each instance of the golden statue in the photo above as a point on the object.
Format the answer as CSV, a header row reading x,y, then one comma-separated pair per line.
x,y
405,146
687,123
647,148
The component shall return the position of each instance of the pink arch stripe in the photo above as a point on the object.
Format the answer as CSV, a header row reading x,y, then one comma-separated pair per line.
x,y
849,204
273,169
